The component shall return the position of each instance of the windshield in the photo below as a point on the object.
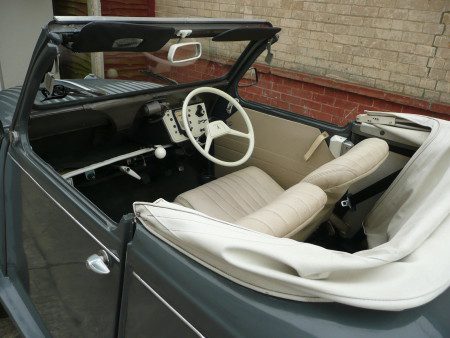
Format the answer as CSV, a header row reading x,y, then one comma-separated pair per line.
x,y
78,76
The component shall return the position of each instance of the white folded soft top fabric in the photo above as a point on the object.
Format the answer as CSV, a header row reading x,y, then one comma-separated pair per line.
x,y
407,265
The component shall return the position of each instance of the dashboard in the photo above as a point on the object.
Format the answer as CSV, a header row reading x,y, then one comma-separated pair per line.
x,y
145,119
117,131
197,118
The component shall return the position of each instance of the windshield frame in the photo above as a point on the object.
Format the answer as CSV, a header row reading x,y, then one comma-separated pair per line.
x,y
65,27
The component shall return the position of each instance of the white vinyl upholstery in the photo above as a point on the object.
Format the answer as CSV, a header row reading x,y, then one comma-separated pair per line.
x,y
406,265
289,213
336,176
233,196
251,198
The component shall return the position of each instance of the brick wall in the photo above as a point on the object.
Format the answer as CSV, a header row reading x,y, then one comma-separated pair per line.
x,y
128,7
378,54
127,66
328,100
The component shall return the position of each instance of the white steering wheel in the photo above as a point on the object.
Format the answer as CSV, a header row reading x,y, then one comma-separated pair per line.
x,y
219,128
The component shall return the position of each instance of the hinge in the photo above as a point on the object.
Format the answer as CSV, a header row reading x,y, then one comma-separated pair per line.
x,y
230,107
376,119
13,137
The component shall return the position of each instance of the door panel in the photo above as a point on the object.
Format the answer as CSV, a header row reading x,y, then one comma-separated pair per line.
x,y
150,304
49,239
150,315
218,307
279,147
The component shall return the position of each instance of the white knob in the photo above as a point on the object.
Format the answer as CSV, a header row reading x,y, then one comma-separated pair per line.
x,y
160,152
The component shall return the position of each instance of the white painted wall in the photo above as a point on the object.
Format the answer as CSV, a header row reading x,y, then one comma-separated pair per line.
x,y
20,25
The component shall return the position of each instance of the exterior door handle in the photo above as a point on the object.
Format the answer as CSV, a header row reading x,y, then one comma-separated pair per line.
x,y
98,263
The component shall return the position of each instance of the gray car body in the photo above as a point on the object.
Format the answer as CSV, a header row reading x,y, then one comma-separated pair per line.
x,y
152,290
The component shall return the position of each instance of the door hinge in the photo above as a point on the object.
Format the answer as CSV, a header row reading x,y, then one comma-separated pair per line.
x,y
375,119
13,136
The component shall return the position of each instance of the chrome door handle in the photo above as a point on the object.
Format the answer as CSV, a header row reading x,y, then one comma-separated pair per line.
x,y
98,263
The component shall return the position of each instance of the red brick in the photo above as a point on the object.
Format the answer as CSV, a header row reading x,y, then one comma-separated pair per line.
x,y
362,108
330,91
326,99
289,82
332,110
313,88
338,121
365,91
406,100
319,115
441,108
281,88
248,97
358,89
271,94
345,104
323,98
349,115
414,110
292,99
312,104
280,104
387,106
298,109
368,101
336,93
300,92
253,90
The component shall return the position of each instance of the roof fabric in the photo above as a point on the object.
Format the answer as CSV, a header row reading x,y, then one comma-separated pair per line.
x,y
407,263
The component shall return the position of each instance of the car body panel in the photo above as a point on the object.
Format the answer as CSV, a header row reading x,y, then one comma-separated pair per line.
x,y
50,229
8,102
49,239
50,233
217,307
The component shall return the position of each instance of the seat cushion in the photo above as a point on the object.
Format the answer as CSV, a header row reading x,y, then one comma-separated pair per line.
x,y
233,196
289,213
252,199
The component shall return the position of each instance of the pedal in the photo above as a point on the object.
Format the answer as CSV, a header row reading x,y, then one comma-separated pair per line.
x,y
129,172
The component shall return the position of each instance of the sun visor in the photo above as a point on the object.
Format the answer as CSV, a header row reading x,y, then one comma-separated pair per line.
x,y
247,34
126,37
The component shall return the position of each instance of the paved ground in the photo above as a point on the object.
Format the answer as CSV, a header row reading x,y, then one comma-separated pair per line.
x,y
7,329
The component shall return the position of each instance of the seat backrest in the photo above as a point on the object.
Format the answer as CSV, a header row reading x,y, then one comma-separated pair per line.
x,y
336,176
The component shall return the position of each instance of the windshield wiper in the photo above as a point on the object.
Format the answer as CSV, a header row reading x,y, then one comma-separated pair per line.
x,y
59,91
158,76
83,89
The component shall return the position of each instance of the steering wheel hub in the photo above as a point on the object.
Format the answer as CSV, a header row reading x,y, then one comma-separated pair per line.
x,y
219,128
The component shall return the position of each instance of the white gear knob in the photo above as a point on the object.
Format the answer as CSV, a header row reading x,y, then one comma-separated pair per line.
x,y
160,152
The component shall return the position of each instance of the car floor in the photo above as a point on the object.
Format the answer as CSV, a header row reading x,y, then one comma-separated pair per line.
x,y
115,195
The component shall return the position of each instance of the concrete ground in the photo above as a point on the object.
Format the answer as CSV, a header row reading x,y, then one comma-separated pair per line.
x,y
7,329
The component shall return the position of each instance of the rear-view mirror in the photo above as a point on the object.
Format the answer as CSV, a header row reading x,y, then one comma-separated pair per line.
x,y
184,52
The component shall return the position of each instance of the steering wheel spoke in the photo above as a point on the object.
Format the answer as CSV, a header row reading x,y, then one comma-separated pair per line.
x,y
238,133
208,143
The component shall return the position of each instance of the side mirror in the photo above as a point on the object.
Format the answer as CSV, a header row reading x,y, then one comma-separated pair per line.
x,y
184,52
250,78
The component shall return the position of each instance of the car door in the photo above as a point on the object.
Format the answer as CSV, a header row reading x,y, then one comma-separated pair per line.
x,y
152,305
280,147
52,230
